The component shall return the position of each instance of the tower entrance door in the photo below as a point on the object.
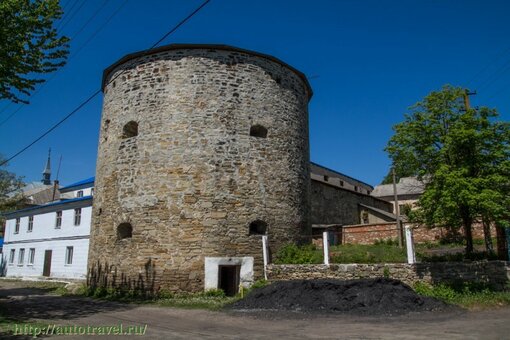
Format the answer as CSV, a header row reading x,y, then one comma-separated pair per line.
x,y
228,279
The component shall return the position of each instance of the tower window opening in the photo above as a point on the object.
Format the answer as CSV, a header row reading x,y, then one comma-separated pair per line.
x,y
130,130
258,131
124,230
258,227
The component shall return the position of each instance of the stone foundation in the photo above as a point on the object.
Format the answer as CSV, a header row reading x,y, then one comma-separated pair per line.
x,y
495,273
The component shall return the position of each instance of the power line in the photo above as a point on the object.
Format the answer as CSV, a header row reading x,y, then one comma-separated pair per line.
x,y
71,16
93,95
486,67
89,20
54,74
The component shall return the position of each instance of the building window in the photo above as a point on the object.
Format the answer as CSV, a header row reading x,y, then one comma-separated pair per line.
x,y
326,178
79,193
258,131
11,256
30,224
124,230
355,188
58,220
21,256
16,227
258,227
69,255
77,216
341,183
31,256
92,192
130,130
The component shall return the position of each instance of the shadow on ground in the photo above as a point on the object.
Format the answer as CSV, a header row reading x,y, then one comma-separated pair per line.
x,y
39,306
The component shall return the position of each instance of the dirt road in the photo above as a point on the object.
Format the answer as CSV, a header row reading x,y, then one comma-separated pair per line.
x,y
24,304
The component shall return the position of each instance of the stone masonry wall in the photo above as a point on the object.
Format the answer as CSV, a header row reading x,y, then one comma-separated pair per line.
x,y
495,273
334,205
193,179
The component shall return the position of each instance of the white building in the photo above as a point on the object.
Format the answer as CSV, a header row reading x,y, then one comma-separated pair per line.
x,y
51,240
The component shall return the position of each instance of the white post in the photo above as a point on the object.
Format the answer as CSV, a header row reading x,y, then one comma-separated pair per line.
x,y
264,254
325,246
411,256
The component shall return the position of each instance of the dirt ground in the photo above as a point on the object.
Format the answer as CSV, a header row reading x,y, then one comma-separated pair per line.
x,y
23,304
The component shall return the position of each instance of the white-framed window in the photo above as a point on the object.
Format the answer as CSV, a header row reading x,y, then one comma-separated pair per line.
x,y
30,224
31,256
21,256
12,253
58,220
69,255
77,216
79,193
16,226
92,192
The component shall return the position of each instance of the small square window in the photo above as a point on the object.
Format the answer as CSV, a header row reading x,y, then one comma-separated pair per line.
x,y
79,193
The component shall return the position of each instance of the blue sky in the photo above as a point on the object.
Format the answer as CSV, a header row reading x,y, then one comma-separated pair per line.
x,y
367,62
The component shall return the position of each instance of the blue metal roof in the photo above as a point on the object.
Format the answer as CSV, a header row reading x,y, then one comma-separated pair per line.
x,y
77,184
62,202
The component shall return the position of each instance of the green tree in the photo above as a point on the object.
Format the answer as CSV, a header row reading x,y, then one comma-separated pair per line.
x,y
464,155
11,197
29,45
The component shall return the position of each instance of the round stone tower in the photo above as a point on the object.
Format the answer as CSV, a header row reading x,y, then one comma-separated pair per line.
x,y
203,149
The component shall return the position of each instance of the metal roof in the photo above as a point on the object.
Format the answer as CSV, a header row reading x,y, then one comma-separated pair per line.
x,y
77,184
53,204
406,186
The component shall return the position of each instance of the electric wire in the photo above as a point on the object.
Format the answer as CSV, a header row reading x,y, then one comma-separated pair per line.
x,y
93,95
73,56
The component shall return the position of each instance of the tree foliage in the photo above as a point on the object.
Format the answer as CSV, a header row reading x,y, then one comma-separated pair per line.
x,y
11,197
29,45
464,156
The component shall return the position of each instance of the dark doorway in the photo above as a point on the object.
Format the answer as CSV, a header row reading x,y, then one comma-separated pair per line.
x,y
47,263
228,279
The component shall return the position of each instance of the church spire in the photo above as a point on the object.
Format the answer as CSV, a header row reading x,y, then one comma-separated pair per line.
x,y
47,171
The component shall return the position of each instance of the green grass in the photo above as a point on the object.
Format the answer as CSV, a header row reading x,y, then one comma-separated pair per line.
x,y
467,295
360,253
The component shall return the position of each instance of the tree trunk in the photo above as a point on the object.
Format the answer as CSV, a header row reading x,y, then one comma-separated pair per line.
x,y
489,247
467,222
502,243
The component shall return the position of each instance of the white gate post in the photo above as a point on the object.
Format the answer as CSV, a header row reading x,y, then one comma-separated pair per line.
x,y
325,246
411,256
264,254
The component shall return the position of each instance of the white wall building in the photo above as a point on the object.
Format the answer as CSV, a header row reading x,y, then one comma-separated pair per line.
x,y
51,240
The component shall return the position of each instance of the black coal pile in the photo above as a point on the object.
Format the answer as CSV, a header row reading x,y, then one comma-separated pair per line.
x,y
357,297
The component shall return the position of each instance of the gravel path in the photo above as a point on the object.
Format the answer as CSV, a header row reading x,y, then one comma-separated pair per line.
x,y
170,323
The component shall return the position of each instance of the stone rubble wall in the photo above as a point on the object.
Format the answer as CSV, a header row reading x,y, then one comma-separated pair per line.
x,y
495,273
193,179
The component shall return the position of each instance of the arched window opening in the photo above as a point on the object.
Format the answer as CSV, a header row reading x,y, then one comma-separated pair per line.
x,y
258,227
258,131
124,230
130,130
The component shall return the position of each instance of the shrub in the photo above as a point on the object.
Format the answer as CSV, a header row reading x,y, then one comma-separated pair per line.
x,y
293,254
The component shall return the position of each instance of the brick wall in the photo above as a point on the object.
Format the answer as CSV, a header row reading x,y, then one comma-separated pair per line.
x,y
369,233
495,273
